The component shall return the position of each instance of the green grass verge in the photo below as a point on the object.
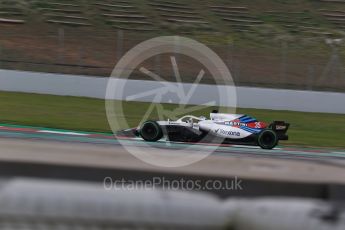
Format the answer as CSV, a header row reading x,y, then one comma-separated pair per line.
x,y
85,114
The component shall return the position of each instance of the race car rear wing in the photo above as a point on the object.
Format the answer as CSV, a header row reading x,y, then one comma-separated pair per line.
x,y
280,127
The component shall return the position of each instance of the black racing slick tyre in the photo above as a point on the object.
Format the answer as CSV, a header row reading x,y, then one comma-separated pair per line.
x,y
151,131
267,139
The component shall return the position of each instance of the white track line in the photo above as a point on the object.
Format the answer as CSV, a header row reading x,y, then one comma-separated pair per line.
x,y
62,132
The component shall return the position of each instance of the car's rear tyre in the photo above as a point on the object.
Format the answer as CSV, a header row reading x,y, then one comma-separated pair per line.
x,y
151,131
267,139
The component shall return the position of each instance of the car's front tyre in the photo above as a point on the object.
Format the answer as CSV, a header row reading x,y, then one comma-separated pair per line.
x,y
151,131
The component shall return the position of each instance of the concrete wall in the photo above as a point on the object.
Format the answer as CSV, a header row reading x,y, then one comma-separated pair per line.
x,y
67,205
247,97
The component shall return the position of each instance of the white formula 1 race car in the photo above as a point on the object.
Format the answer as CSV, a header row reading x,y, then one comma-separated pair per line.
x,y
220,128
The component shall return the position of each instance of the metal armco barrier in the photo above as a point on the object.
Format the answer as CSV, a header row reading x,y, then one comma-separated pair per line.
x,y
247,97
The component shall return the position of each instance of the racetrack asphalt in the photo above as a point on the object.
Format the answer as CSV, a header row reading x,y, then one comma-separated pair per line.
x,y
41,145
